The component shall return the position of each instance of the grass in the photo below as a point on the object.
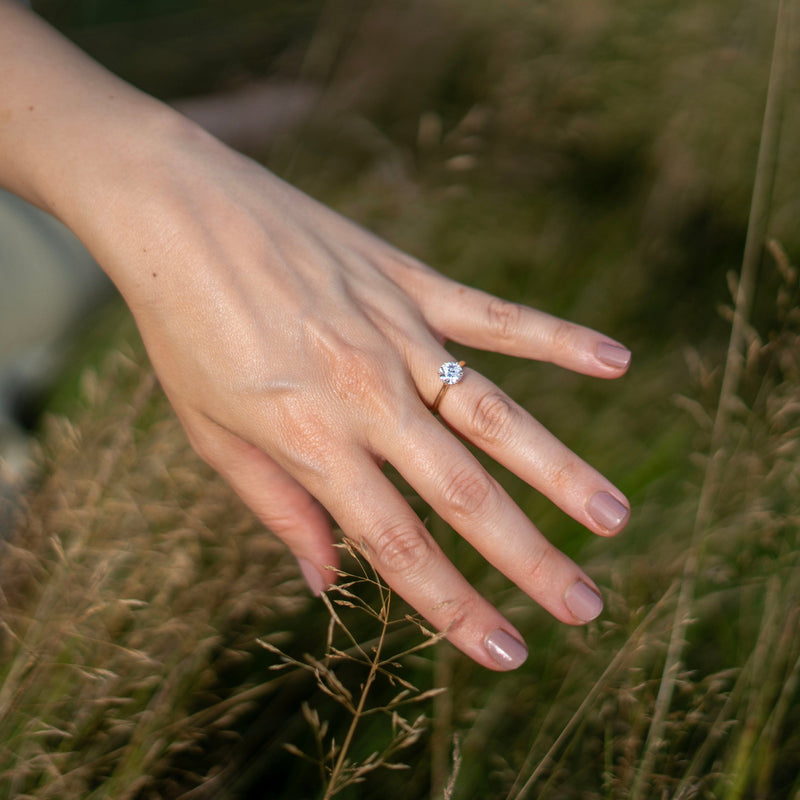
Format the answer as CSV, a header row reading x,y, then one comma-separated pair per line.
x,y
594,160
115,632
337,770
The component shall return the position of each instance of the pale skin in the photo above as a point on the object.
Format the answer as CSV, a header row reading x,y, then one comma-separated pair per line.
x,y
300,352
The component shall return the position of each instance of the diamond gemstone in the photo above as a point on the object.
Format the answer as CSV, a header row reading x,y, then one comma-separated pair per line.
x,y
451,372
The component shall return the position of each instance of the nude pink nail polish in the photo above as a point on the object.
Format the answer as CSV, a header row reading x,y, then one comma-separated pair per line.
x,y
505,649
584,603
607,511
312,577
613,355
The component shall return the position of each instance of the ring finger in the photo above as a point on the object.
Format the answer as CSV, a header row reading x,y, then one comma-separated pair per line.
x,y
484,415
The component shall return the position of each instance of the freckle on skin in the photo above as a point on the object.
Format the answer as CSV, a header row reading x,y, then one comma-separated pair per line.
x,y
154,274
30,108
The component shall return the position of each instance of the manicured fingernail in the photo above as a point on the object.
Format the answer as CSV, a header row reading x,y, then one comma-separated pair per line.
x,y
314,580
505,650
607,511
613,355
583,602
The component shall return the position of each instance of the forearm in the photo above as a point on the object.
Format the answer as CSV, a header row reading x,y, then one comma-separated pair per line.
x,y
86,146
70,131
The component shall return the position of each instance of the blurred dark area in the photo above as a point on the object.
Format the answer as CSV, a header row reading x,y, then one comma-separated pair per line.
x,y
178,48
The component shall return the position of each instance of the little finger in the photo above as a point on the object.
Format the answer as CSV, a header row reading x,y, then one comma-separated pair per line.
x,y
279,501
477,319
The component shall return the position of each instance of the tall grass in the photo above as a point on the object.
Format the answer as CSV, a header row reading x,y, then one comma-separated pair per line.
x,y
338,770
124,601
754,245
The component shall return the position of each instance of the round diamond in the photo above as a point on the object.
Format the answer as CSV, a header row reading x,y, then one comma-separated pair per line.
x,y
451,372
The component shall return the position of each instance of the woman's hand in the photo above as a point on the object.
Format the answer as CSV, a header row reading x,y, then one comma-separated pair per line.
x,y
301,353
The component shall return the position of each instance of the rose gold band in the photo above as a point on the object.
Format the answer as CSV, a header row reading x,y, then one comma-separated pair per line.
x,y
450,373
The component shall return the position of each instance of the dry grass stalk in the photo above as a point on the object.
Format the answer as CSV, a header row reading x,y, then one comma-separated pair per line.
x,y
346,605
756,237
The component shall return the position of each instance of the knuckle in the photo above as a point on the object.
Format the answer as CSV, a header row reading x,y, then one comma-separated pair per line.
x,y
492,417
468,491
307,441
562,338
563,475
402,547
539,562
365,380
458,613
503,318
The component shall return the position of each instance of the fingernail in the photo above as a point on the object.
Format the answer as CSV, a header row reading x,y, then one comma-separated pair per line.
x,y
613,355
506,650
607,511
314,580
583,602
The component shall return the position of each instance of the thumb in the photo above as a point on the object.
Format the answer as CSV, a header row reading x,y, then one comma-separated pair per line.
x,y
280,502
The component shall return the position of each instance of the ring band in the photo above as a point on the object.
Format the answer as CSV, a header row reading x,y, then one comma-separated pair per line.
x,y
451,372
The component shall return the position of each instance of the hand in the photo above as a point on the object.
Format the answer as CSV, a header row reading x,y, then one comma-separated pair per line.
x,y
301,353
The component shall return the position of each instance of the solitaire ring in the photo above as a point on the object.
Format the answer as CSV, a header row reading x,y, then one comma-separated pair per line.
x,y
450,372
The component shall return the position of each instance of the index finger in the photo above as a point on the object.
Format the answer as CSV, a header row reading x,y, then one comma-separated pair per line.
x,y
371,511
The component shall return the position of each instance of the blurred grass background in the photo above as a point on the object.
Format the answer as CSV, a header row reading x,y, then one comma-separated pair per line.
x,y
590,158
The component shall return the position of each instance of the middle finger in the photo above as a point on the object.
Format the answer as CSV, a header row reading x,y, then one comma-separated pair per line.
x,y
449,478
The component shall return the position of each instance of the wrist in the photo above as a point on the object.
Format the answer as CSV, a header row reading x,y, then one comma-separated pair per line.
x,y
73,135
